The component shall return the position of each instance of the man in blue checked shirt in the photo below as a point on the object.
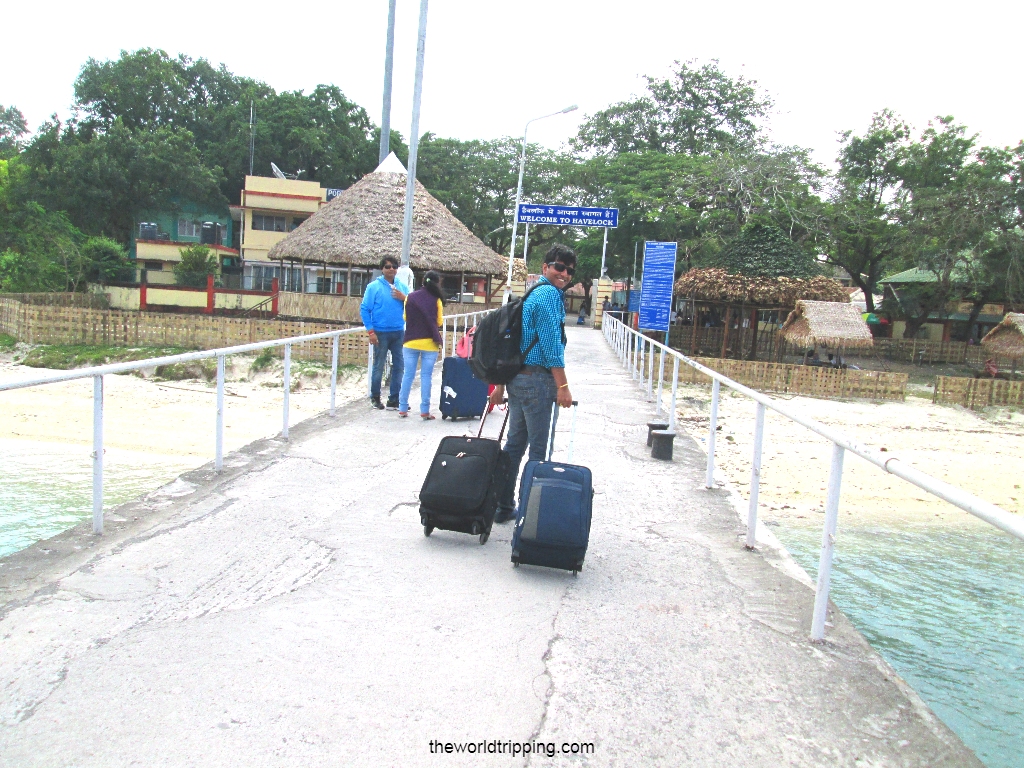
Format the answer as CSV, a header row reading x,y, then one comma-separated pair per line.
x,y
542,380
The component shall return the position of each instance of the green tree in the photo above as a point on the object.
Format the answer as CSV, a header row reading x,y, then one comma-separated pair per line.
x,y
105,181
197,262
12,128
860,226
105,260
696,110
763,250
321,136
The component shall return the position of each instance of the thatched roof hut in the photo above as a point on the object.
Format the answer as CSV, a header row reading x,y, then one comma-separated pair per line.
x,y
364,223
716,285
829,323
1007,338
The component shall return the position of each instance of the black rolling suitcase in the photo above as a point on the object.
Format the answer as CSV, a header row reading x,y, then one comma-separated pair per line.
x,y
460,492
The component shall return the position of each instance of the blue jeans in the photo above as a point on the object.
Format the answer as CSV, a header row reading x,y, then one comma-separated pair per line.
x,y
412,358
387,341
531,396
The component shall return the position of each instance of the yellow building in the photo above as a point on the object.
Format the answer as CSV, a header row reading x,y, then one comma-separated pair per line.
x,y
270,209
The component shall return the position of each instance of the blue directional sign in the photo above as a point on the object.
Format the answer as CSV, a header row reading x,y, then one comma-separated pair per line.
x,y
634,301
568,216
656,293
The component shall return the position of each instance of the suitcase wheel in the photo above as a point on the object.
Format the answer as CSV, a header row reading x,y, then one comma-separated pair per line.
x,y
476,529
443,417
484,536
427,530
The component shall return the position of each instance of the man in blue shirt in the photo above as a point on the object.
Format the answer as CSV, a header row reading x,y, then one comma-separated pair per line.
x,y
383,314
541,382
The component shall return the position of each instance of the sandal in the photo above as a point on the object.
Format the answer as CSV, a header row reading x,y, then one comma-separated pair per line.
x,y
403,414
427,416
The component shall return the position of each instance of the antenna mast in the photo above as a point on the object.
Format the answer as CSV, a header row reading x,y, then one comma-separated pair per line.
x,y
252,133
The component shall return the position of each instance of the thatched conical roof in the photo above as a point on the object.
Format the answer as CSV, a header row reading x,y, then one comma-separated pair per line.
x,y
832,323
1007,338
718,285
364,223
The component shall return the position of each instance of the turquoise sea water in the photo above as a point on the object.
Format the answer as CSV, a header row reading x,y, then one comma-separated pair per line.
x,y
945,607
46,488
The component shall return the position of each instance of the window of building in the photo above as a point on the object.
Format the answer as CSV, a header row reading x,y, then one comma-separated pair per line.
x,y
340,282
153,266
296,222
189,228
359,281
268,223
324,285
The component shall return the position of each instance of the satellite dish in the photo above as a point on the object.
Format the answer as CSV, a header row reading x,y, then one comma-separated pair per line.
x,y
277,171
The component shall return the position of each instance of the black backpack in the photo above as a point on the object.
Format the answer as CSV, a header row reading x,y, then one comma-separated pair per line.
x,y
496,357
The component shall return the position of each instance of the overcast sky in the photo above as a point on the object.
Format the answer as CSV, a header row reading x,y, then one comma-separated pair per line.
x,y
491,65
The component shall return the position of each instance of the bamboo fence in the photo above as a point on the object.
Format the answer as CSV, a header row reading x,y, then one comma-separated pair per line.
x,y
978,393
54,324
813,381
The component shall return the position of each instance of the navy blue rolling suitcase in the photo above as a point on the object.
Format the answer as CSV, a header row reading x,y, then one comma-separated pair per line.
x,y
556,504
462,394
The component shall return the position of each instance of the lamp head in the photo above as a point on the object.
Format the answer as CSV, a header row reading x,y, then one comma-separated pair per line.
x,y
573,108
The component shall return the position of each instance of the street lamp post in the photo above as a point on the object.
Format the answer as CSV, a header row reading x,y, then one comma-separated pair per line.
x,y
519,195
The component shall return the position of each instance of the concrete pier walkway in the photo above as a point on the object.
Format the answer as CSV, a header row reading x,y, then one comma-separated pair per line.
x,y
290,612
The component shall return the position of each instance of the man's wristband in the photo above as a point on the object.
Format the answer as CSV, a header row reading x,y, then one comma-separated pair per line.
x,y
563,385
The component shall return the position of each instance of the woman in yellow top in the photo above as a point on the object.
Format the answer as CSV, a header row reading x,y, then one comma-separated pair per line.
x,y
424,311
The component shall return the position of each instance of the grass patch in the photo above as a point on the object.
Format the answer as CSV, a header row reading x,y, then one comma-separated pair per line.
x,y
263,361
197,369
7,342
64,357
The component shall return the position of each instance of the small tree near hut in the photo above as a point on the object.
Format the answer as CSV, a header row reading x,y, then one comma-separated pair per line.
x,y
196,263
763,250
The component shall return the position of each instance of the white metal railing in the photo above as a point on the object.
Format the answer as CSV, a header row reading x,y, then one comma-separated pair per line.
x,y
98,372
468,320
637,353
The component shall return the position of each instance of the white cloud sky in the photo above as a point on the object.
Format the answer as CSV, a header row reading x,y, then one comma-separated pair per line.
x,y
491,65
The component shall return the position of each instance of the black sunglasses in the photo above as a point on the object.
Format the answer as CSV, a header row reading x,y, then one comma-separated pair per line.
x,y
560,267
390,266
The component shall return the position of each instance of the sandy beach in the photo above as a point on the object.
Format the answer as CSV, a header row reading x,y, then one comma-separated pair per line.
x,y
168,417
979,452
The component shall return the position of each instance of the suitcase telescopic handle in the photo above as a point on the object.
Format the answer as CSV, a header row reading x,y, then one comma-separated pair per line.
x,y
551,430
483,418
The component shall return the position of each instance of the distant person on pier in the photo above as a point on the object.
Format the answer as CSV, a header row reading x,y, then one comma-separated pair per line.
x,y
424,312
383,314
542,381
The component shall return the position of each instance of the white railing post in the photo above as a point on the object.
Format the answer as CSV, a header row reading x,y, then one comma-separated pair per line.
x,y
97,454
709,482
444,337
828,541
755,477
218,461
661,378
675,387
287,386
650,371
334,373
369,370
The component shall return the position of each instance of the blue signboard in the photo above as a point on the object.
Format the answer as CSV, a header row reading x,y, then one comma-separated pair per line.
x,y
656,294
333,193
568,216
634,301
